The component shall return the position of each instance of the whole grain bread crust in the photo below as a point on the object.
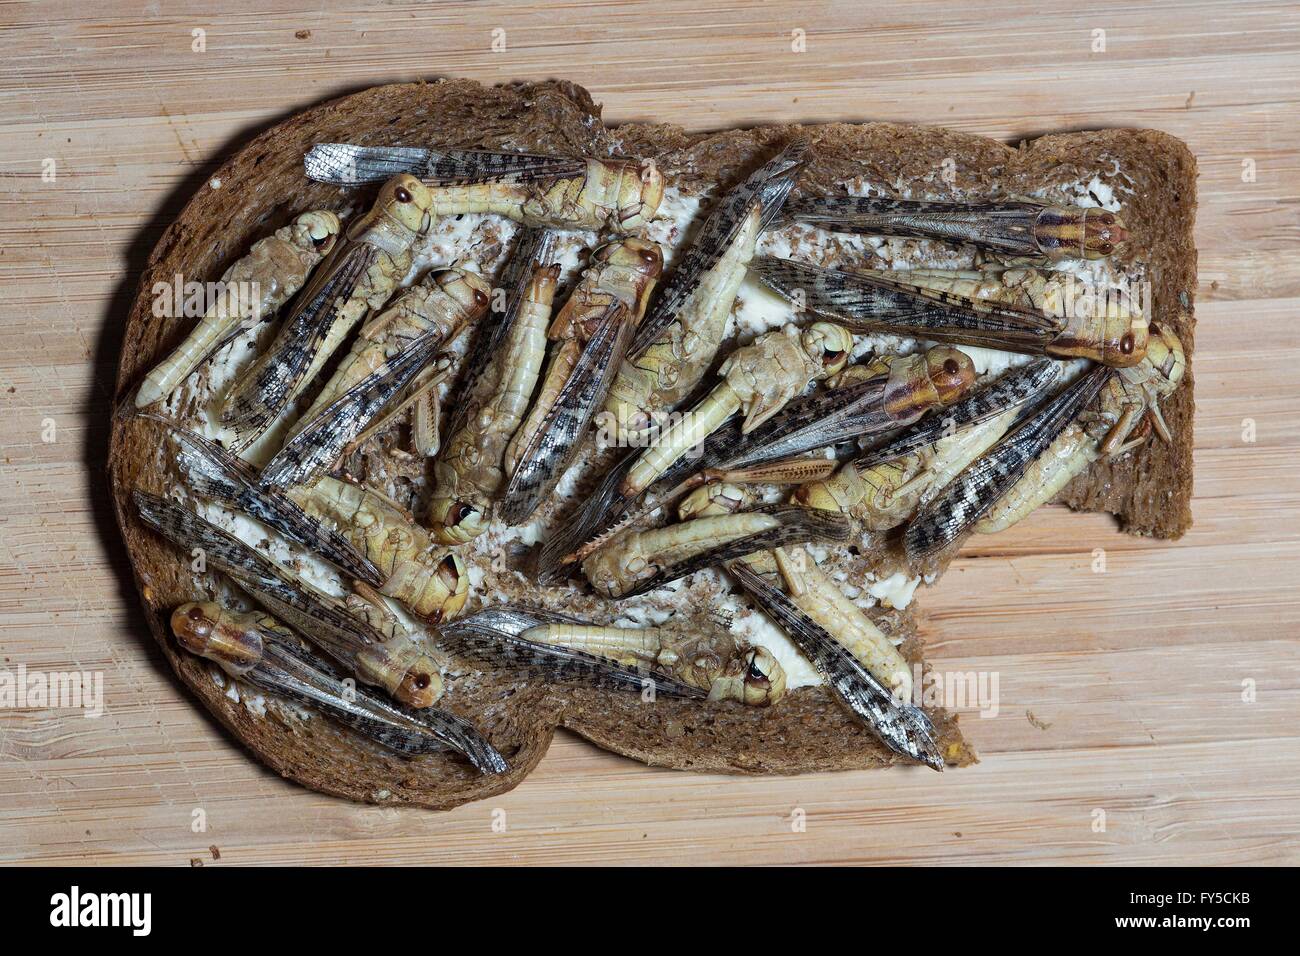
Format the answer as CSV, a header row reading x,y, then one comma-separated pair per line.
x,y
261,187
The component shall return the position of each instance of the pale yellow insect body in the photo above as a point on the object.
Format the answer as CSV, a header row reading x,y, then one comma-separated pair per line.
x,y
251,290
430,580
621,195
715,662
444,303
760,379
469,472
1108,429
652,383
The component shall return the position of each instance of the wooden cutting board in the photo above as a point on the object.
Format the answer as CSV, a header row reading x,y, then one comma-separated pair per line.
x,y
1147,714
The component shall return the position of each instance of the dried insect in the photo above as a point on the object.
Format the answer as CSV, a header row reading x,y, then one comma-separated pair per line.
x,y
677,341
532,248
256,648
390,352
470,471
591,334
252,290
968,497
558,647
757,379
903,727
212,472
430,580
1016,228
358,276
815,593
556,191
637,561
398,661
1035,311
884,488
1121,419
886,393
442,305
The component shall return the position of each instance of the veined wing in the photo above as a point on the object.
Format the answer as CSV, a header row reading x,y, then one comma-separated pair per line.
x,y
345,163
543,461
532,250
314,614
876,304
257,399
212,472
320,442
493,637
1015,388
1006,227
903,728
769,185
294,672
972,493
797,526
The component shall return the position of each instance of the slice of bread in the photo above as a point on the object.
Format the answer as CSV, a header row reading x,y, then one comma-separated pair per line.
x,y
1151,174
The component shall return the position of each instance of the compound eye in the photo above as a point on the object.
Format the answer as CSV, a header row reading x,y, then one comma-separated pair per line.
x,y
1126,344
951,367
402,194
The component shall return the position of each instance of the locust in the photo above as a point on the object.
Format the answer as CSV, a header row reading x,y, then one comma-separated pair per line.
x,y
256,648
590,334
252,290
949,515
758,380
711,665
471,470
430,580
386,656
637,561
886,393
211,472
356,278
1020,309
1019,228
810,589
390,351
560,192
442,305
1121,419
675,344
901,726
885,487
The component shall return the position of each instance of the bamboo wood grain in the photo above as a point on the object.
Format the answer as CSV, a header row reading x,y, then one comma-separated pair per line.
x,y
1120,691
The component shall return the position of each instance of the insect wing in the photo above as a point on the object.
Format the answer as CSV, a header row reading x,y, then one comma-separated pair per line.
x,y
346,163
258,399
869,303
322,440
1013,389
294,672
1003,227
797,526
972,493
543,461
212,472
495,639
904,729
769,185
312,613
